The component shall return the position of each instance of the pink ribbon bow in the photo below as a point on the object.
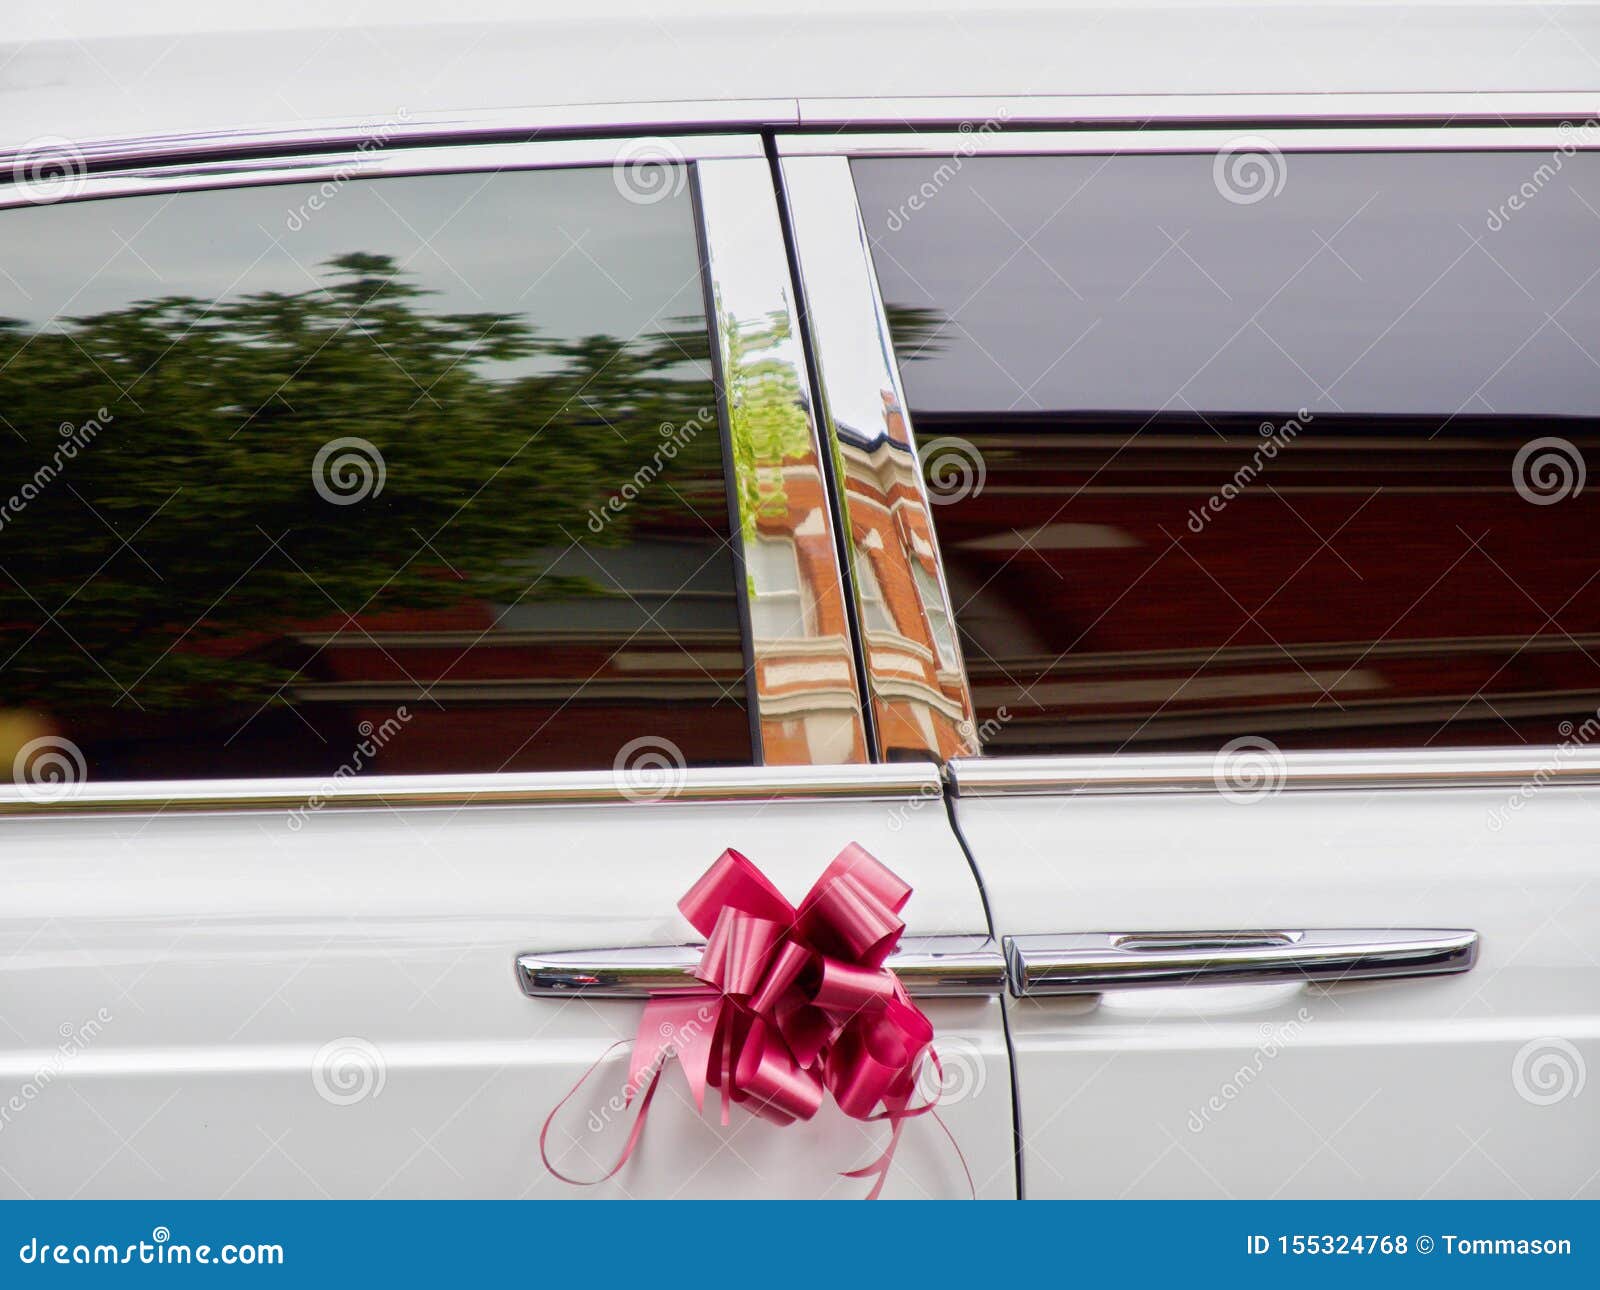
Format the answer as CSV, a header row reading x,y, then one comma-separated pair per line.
x,y
798,1003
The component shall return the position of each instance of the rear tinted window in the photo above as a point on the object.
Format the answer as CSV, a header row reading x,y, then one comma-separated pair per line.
x,y
1257,445
399,475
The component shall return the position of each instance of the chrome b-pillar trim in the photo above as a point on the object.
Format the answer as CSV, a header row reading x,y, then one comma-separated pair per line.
x,y
917,683
804,685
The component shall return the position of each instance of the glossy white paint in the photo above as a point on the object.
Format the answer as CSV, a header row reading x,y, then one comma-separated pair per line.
x,y
1465,1086
104,69
228,950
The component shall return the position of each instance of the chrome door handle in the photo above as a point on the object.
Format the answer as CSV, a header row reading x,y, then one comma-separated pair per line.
x,y
1089,962
929,965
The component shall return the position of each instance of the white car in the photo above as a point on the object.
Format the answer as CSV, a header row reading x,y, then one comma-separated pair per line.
x,y
1123,467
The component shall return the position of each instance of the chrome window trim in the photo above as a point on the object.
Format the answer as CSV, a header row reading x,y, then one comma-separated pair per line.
x,y
1499,107
997,138
751,298
1208,773
739,151
632,119
403,129
154,176
556,788
856,369
143,171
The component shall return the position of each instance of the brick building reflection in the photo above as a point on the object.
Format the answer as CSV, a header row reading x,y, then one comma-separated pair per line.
x,y
804,670
919,692
1383,583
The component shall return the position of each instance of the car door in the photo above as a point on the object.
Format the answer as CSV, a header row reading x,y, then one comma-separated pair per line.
x,y
382,618
1256,464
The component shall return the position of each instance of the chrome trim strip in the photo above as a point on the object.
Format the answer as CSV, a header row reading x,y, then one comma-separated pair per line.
x,y
950,965
1489,107
1281,771
1092,962
404,129
733,784
805,686
408,130
889,528
994,139
930,966
152,177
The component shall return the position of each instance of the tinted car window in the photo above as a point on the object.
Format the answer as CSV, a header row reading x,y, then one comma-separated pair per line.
x,y
1255,445
399,475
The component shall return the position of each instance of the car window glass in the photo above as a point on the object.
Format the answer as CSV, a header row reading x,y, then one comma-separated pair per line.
x,y
1276,446
391,475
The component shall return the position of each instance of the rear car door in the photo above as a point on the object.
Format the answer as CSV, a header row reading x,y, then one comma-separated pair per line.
x,y
420,559
1257,468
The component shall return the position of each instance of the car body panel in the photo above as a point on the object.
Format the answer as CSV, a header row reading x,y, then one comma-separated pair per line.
x,y
219,1004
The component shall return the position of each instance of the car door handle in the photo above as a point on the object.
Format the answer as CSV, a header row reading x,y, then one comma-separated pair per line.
x,y
1089,962
928,965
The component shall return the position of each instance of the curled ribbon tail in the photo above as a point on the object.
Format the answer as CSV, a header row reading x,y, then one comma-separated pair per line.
x,y
898,1110
633,1135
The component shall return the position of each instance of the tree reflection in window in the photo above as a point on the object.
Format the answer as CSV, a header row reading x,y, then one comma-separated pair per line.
x,y
189,595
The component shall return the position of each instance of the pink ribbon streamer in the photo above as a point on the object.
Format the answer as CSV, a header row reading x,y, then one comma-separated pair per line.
x,y
798,1003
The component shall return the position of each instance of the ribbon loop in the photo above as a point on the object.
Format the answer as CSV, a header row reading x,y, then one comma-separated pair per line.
x,y
736,953
774,1084
733,880
852,909
845,988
